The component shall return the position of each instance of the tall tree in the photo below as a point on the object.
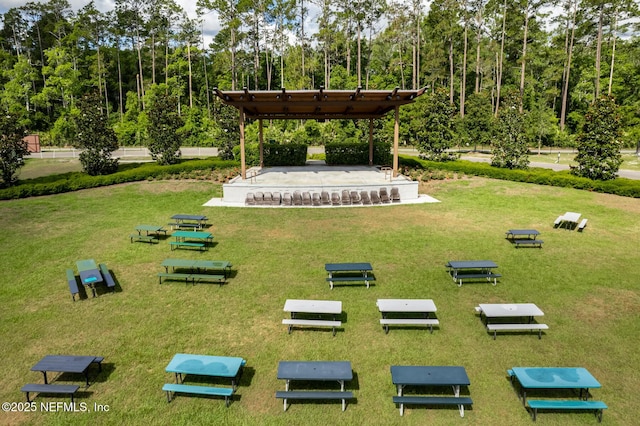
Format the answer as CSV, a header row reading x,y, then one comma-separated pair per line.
x,y
13,148
599,141
510,148
95,137
164,124
435,133
229,13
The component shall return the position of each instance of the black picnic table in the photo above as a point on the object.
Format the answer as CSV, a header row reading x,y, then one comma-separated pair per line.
x,y
64,364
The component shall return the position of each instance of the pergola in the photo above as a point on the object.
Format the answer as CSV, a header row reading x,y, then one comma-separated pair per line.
x,y
318,105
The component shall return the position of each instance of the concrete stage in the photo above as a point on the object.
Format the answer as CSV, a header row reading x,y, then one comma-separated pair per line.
x,y
316,177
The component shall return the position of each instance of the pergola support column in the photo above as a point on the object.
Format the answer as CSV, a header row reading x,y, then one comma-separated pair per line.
x,y
371,142
396,137
243,161
261,140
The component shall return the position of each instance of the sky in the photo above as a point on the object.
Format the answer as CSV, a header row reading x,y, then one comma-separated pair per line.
x,y
211,25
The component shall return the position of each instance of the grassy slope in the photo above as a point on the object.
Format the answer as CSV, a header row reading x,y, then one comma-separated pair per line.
x,y
586,283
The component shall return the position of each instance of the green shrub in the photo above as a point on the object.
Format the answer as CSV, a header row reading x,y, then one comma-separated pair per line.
x,y
67,182
619,186
357,153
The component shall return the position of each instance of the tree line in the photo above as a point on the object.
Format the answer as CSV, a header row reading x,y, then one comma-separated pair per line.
x,y
557,57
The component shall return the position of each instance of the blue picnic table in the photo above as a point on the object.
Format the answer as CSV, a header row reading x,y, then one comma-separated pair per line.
x,y
206,365
89,273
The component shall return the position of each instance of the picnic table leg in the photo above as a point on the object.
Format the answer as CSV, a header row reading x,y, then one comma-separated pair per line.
x,y
44,373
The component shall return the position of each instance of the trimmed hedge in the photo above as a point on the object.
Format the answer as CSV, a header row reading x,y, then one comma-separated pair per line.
x,y
75,181
357,153
619,186
290,154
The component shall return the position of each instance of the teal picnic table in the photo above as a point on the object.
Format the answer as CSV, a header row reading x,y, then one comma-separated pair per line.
x,y
89,273
191,239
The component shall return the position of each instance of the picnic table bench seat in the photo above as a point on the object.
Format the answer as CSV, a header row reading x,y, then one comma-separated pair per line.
x,y
187,225
582,225
197,390
208,277
386,322
73,284
143,238
489,276
431,400
351,278
311,323
528,242
177,244
191,277
173,275
307,395
517,327
108,278
42,388
595,406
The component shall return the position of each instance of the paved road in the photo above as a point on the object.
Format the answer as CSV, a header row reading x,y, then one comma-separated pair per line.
x,y
629,174
190,152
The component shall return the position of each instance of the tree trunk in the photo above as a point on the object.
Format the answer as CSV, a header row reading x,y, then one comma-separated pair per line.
x,y
598,52
613,51
451,70
190,75
499,76
463,84
565,89
524,56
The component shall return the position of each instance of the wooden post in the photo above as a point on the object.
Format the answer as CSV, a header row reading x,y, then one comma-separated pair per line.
x,y
243,165
371,141
396,137
261,140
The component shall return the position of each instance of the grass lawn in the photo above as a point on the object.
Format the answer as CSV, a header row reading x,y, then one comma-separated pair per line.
x,y
586,284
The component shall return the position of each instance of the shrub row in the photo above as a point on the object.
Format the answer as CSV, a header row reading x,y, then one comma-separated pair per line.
x,y
274,154
620,186
357,153
76,181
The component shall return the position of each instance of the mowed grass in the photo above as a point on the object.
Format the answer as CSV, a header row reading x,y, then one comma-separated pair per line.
x,y
586,283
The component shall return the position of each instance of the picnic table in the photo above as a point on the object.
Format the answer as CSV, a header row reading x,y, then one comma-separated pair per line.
x,y
471,269
526,237
206,365
151,233
514,234
191,221
150,229
569,220
399,308
430,376
523,311
349,272
575,378
315,371
191,239
556,379
89,273
66,364
312,313
197,265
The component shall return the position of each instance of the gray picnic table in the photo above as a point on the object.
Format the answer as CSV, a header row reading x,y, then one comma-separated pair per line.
x,y
467,269
64,364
